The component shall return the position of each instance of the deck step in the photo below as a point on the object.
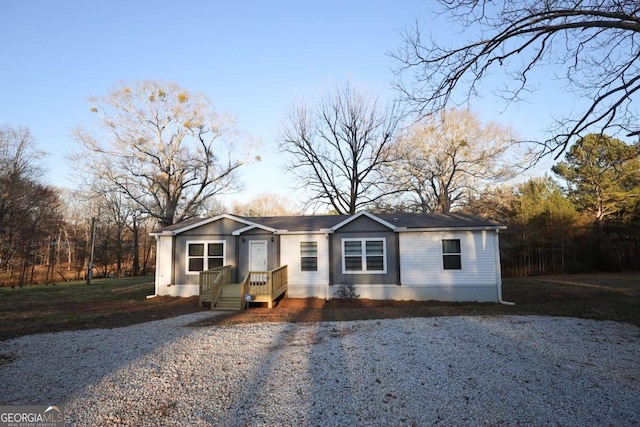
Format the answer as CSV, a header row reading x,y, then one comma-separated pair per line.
x,y
228,303
229,298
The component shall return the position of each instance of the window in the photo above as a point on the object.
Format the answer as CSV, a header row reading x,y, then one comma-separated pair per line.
x,y
309,256
203,256
451,254
363,255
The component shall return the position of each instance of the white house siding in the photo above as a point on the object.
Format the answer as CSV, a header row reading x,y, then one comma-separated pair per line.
x,y
423,276
305,284
164,274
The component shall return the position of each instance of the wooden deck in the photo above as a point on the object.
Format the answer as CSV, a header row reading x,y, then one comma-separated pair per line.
x,y
258,286
264,286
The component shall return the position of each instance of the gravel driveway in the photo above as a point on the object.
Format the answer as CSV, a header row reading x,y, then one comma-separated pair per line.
x,y
472,371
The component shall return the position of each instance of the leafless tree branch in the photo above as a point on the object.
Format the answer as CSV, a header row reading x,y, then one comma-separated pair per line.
x,y
594,41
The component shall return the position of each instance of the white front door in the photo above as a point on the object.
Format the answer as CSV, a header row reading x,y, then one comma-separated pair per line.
x,y
258,255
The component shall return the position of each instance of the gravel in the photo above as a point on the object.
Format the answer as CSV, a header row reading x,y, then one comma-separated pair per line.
x,y
472,371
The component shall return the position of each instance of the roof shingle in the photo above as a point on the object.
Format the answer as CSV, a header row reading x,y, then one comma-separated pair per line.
x,y
325,222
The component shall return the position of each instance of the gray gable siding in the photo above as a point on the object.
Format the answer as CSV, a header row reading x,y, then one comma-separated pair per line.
x,y
362,224
180,249
221,227
220,230
339,277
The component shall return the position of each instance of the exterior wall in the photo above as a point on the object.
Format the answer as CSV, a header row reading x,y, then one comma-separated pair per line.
x,y
305,284
422,293
414,262
164,263
423,274
364,227
185,285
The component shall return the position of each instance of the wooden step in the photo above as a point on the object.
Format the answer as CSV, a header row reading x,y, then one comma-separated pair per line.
x,y
229,298
228,303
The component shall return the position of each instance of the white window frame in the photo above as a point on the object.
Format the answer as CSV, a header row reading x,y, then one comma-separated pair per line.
x,y
315,242
451,254
364,241
205,256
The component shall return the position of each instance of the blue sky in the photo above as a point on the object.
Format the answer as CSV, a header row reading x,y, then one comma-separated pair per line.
x,y
251,58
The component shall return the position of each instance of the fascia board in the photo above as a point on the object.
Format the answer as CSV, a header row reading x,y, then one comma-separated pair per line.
x,y
320,231
204,221
436,229
251,227
368,215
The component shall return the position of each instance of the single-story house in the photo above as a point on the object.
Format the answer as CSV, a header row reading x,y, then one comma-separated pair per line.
x,y
445,257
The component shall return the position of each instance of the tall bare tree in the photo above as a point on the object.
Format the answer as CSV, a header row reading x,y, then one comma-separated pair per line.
x,y
593,45
30,215
448,156
337,148
163,147
265,204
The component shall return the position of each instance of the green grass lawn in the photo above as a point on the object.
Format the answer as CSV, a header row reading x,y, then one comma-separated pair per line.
x,y
75,305
108,303
611,296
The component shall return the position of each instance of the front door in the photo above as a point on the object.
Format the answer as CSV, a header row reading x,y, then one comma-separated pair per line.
x,y
258,255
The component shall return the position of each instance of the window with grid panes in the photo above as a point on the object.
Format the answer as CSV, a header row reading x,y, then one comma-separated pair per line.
x,y
203,256
309,256
451,254
363,255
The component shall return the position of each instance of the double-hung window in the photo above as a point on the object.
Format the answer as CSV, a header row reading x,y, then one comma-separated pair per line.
x,y
203,256
309,256
451,254
364,256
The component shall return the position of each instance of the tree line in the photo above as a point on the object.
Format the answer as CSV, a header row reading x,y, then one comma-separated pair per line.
x,y
587,218
46,233
159,154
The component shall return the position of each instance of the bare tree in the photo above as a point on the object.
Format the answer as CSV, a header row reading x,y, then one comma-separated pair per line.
x,y
76,213
266,204
163,147
338,148
446,157
29,211
593,45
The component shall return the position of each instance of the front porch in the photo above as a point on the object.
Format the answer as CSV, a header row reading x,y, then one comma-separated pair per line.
x,y
215,288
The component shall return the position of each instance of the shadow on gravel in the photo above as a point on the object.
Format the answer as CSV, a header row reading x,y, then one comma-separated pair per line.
x,y
54,368
254,400
453,371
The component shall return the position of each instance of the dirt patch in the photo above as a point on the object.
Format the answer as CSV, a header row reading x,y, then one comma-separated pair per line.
x,y
319,310
590,296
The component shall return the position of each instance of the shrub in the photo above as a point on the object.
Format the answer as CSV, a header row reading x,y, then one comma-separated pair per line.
x,y
347,291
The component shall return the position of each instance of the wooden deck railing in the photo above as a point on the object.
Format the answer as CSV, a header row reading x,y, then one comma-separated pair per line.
x,y
211,283
264,286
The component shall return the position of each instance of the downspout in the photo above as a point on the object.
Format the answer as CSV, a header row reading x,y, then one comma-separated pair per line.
x,y
498,272
398,260
328,296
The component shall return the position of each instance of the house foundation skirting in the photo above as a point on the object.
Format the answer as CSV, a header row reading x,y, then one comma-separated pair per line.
x,y
479,293
179,290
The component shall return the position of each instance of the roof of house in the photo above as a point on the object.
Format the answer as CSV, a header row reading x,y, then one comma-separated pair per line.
x,y
398,221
